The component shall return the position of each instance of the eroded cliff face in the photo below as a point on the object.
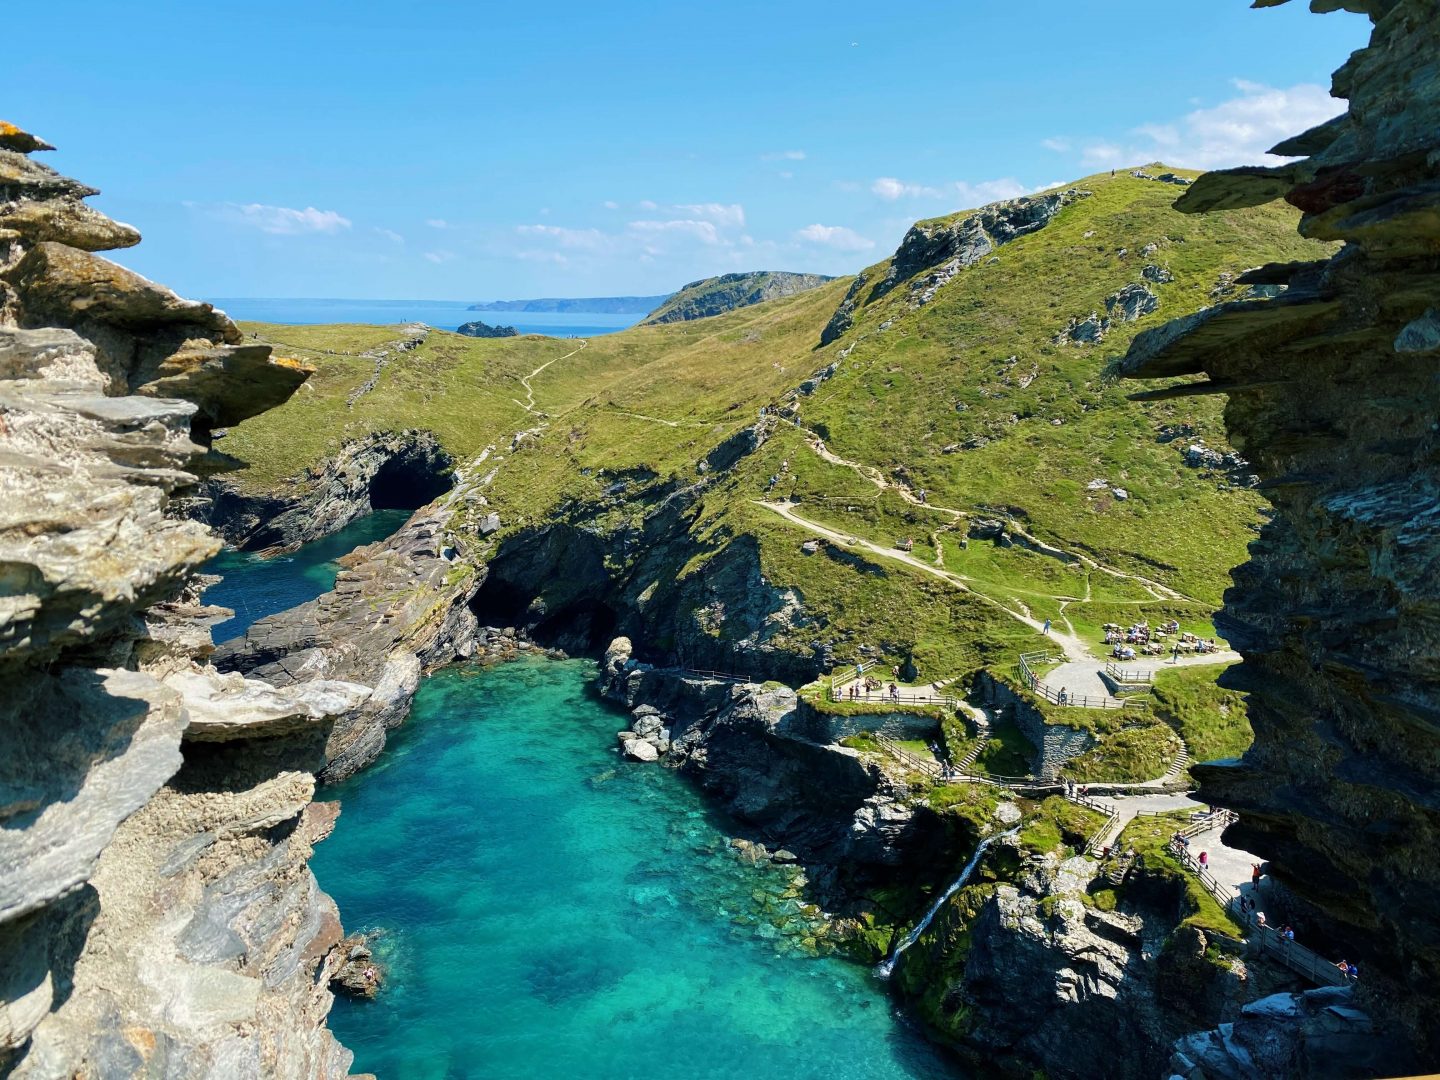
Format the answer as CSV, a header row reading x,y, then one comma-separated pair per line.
x,y
157,915
1334,398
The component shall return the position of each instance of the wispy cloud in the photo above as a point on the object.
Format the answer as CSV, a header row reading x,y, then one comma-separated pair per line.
x,y
704,231
732,215
588,239
1237,131
389,234
281,220
440,256
891,189
611,204
837,237
437,223
784,155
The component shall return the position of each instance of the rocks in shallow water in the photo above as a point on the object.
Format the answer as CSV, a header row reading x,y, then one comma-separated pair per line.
x,y
356,973
638,749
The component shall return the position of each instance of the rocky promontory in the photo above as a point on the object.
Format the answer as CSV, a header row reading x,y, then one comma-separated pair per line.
x,y
157,915
480,329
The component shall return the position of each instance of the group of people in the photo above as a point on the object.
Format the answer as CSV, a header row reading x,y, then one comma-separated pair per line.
x,y
1140,638
867,686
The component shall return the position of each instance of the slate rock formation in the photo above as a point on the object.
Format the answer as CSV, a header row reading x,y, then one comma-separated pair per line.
x,y
485,330
1333,398
716,295
157,915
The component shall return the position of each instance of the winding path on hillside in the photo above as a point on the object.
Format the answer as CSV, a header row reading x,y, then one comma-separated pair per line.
x,y
1157,590
529,403
1072,646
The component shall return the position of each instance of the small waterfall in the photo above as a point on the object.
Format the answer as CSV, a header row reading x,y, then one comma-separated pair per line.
x,y
887,965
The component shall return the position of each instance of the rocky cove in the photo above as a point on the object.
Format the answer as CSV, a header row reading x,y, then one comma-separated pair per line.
x,y
676,844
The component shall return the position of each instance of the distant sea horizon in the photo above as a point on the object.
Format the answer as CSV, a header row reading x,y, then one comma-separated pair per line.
x,y
441,314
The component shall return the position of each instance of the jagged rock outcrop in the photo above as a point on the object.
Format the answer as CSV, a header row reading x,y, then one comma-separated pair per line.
x,y
717,295
1333,399
157,916
398,609
1024,971
401,470
933,252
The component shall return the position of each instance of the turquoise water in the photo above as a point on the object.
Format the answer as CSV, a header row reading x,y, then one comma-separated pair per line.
x,y
254,587
553,911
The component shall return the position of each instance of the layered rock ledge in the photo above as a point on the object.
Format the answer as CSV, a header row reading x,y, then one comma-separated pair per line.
x,y
157,915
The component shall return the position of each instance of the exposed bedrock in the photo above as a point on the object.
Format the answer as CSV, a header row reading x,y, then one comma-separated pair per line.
x,y
157,916
1333,397
390,470
768,759
933,252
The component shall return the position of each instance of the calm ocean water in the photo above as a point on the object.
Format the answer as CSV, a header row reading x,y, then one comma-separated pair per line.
x,y
552,911
443,314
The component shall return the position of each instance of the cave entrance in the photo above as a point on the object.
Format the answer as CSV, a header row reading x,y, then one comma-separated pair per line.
x,y
409,481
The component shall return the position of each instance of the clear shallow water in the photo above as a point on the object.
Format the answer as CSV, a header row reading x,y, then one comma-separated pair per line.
x,y
254,587
556,912
444,314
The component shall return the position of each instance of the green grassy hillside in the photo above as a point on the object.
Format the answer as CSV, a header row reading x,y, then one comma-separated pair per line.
x,y
967,397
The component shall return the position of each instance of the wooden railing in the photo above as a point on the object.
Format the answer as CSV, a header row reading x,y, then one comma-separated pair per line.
x,y
1299,959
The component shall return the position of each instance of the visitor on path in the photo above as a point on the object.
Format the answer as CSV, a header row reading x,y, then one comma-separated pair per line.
x,y
1064,695
1175,653
1204,860
1287,934
1255,876
1260,919
1046,628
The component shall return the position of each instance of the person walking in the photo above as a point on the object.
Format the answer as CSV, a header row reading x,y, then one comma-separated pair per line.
x,y
1255,876
1046,628
1204,860
1175,653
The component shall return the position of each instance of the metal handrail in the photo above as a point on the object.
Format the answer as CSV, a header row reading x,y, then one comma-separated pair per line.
x,y
727,675
1128,675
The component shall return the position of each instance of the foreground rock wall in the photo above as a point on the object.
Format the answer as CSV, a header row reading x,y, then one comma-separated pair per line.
x,y
1333,396
157,915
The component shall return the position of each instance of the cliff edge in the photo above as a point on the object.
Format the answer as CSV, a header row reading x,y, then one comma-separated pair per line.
x,y
1332,395
157,915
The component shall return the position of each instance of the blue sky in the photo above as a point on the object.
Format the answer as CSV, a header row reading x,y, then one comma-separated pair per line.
x,y
447,150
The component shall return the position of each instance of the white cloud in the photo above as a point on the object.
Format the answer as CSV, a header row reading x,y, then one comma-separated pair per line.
x,y
390,234
704,231
647,204
1059,145
586,239
437,223
965,193
723,215
784,155
834,236
988,191
890,189
611,204
284,221
440,256
1237,131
